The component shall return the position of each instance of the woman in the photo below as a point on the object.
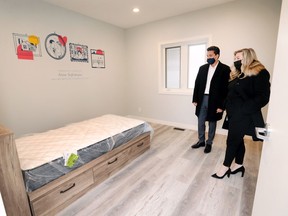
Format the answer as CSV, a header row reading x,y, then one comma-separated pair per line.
x,y
249,91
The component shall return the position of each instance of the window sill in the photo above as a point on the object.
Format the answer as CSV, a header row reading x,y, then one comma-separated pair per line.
x,y
176,91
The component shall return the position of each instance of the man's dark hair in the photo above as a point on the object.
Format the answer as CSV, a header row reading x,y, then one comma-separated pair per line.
x,y
215,49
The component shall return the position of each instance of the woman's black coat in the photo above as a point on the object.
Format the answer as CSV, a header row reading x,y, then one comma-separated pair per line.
x,y
245,99
217,93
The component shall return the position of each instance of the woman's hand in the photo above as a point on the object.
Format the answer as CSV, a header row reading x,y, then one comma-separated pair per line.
x,y
219,110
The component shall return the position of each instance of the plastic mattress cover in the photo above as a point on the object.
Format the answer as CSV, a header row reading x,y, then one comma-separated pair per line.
x,y
39,176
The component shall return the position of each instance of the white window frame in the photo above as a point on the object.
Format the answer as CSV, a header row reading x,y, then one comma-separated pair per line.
x,y
184,44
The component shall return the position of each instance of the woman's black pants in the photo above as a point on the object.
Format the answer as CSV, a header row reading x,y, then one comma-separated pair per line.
x,y
235,148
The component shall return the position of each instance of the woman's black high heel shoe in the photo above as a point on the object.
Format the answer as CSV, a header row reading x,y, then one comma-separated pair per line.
x,y
240,169
221,177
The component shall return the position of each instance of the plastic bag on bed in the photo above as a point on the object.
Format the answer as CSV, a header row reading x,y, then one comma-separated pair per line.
x,y
70,158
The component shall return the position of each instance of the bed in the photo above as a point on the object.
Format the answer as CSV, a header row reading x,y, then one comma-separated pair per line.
x,y
103,145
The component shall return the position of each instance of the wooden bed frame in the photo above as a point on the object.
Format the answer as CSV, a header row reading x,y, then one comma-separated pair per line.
x,y
56,195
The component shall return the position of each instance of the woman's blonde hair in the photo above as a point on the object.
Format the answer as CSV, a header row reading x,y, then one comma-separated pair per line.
x,y
250,64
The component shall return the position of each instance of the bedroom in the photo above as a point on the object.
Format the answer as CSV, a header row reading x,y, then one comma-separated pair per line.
x,y
33,101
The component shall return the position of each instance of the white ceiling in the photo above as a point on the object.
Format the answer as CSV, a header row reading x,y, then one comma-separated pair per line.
x,y
119,12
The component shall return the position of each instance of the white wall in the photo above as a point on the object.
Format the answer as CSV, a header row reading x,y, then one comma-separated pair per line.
x,y
30,100
271,192
245,23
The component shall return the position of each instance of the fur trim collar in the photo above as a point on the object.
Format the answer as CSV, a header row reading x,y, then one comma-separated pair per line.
x,y
254,69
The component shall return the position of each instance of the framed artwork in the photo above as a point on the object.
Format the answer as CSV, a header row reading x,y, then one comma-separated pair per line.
x,y
55,46
97,58
78,52
27,46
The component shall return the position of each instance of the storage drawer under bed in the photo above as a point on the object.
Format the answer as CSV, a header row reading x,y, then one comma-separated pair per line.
x,y
61,193
57,194
103,170
140,146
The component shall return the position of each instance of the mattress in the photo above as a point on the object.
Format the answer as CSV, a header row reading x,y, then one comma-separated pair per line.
x,y
41,155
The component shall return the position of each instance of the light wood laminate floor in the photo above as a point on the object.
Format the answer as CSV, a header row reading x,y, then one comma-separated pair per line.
x,y
171,179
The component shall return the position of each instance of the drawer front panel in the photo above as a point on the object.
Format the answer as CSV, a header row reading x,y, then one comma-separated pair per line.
x,y
62,193
103,170
140,146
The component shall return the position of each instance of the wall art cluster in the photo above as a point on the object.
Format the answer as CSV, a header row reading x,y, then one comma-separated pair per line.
x,y
97,58
55,45
78,52
28,46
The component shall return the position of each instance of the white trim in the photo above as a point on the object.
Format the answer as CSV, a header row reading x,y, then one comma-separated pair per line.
x,y
176,124
176,91
2,208
183,90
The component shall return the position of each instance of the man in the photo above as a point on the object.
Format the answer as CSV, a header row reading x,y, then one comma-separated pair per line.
x,y
210,91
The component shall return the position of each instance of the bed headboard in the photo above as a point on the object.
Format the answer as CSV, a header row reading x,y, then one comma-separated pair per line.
x,y
12,185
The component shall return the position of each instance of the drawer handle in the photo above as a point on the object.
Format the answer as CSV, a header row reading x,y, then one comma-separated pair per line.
x,y
63,191
141,144
112,161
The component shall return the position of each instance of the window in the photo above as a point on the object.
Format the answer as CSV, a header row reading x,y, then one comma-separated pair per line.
x,y
173,67
180,64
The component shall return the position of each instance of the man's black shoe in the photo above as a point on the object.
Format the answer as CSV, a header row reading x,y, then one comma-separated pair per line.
x,y
198,145
207,148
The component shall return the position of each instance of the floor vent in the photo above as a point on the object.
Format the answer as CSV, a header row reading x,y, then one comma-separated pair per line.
x,y
180,129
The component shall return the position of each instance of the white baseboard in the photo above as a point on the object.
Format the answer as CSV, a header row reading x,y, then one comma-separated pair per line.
x,y
176,124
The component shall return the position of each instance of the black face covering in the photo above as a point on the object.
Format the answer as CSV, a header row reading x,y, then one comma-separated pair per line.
x,y
238,65
211,61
